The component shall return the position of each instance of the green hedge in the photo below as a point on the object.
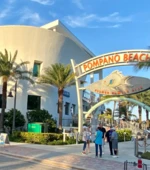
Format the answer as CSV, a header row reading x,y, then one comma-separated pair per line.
x,y
128,135
38,138
146,155
41,138
57,139
60,142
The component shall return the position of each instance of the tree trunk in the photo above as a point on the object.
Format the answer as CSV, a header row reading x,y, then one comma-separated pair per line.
x,y
60,106
140,116
113,112
120,113
4,99
147,119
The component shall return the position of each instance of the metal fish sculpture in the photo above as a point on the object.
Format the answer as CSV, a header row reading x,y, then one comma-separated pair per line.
x,y
118,84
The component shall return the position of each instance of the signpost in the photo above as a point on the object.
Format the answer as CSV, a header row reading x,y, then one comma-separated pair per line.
x,y
4,139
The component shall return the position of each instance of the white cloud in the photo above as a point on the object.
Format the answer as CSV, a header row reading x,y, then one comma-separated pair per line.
x,y
115,17
114,26
11,1
29,16
78,4
92,19
44,2
80,21
5,12
53,14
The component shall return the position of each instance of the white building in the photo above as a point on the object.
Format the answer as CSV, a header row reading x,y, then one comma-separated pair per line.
x,y
42,46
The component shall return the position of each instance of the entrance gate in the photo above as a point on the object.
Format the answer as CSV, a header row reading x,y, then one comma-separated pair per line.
x,y
120,58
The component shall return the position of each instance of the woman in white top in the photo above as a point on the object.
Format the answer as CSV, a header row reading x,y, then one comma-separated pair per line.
x,y
84,139
88,139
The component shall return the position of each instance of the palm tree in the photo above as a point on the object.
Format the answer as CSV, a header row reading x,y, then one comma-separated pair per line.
x,y
108,111
123,106
9,70
139,66
60,76
147,102
107,97
142,97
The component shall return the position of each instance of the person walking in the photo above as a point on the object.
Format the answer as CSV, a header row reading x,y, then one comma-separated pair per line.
x,y
88,139
84,139
109,139
98,142
114,138
103,130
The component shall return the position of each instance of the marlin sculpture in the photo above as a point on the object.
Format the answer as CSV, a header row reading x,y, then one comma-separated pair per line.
x,y
118,84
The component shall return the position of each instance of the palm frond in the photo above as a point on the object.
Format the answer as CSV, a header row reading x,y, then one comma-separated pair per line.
x,y
14,57
3,57
18,66
6,55
142,65
20,72
58,75
10,69
26,78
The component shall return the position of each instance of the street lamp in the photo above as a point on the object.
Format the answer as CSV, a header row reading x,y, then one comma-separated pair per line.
x,y
14,111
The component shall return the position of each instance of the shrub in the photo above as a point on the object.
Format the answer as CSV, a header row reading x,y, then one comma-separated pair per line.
x,y
146,155
42,116
39,138
57,142
19,119
128,135
71,141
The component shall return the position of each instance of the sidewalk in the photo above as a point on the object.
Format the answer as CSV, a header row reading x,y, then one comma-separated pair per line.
x,y
70,156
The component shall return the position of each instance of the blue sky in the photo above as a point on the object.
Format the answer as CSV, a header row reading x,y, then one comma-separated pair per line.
x,y
102,25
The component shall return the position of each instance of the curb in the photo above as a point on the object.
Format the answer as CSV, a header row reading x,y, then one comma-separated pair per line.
x,y
45,161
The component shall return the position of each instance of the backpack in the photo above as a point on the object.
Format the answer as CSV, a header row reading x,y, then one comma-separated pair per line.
x,y
110,134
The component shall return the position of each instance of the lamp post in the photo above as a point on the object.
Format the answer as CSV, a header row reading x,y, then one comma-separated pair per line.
x,y
14,111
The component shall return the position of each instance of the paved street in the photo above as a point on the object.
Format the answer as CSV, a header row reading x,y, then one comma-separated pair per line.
x,y
70,157
12,163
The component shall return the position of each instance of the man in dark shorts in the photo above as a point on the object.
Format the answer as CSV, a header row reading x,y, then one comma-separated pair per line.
x,y
114,137
103,130
109,139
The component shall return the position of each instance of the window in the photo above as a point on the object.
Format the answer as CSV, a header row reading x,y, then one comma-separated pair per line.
x,y
73,108
0,100
67,108
34,102
36,69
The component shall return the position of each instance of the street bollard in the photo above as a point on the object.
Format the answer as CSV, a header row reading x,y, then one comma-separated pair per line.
x,y
77,137
64,135
136,146
125,165
139,163
124,136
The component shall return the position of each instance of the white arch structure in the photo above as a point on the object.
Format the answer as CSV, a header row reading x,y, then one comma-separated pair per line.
x,y
118,58
116,99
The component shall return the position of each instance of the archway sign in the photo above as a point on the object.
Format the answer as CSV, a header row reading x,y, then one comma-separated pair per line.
x,y
119,58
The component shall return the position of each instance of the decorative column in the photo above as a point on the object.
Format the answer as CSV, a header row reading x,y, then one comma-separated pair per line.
x,y
79,99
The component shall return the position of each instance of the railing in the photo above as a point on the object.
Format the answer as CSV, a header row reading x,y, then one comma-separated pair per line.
x,y
127,164
141,142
